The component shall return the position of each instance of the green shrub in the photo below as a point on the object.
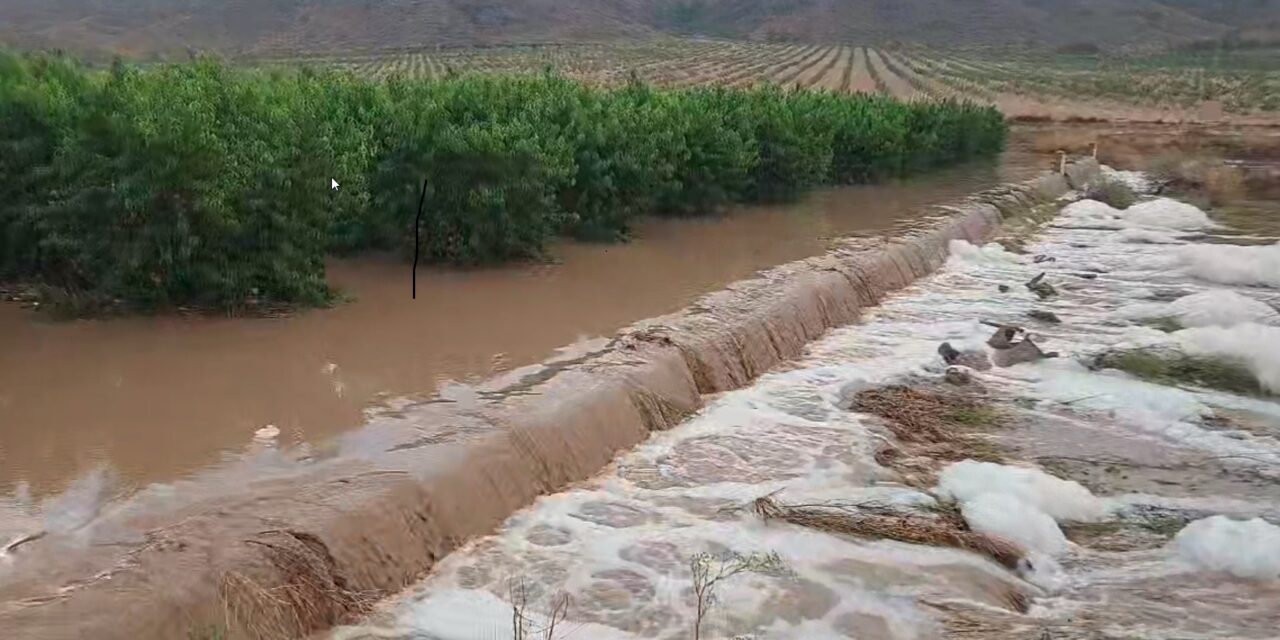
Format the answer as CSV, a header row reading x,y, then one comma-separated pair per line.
x,y
490,189
200,184
41,102
185,184
793,133
711,150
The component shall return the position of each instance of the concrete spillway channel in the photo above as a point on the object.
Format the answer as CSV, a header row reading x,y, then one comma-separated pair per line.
x,y
282,553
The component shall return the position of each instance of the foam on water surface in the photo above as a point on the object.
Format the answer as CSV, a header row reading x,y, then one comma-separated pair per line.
x,y
1212,308
1256,345
1243,548
1231,264
1157,214
620,545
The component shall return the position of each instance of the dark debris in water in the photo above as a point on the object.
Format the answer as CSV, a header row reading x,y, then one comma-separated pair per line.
x,y
1044,316
1042,289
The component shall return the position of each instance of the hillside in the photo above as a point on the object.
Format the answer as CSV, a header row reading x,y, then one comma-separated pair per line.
x,y
1110,23
146,27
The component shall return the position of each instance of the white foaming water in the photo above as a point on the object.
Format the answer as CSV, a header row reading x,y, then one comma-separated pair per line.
x,y
1213,308
620,545
1147,236
1022,505
1166,214
1157,214
1059,499
1243,548
1006,516
990,253
1231,264
1255,345
1136,180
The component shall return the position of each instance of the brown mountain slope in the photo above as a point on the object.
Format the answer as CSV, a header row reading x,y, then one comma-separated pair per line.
x,y
138,27
1110,23
416,23
246,26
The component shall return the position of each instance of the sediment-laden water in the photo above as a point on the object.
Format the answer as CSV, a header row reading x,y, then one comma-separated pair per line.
x,y
1143,509
80,396
289,540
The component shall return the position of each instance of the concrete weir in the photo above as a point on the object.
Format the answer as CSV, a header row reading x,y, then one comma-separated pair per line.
x,y
285,552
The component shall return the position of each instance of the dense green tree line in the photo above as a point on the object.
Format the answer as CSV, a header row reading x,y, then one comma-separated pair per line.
x,y
202,184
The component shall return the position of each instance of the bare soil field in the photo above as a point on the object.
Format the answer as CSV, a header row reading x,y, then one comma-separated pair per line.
x,y
1234,87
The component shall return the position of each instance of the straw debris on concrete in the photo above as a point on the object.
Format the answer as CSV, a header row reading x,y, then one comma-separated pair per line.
x,y
915,529
931,427
299,590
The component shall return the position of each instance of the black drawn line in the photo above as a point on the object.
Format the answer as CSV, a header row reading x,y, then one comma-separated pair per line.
x,y
417,223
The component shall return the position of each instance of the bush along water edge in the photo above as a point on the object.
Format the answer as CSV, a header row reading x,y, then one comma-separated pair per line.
x,y
205,185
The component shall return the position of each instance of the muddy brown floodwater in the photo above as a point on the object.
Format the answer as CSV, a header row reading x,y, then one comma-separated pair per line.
x,y
155,398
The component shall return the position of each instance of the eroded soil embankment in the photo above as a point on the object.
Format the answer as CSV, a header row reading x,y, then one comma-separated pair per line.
x,y
296,551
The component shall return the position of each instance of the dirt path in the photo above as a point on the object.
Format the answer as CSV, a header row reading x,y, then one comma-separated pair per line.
x,y
860,79
896,86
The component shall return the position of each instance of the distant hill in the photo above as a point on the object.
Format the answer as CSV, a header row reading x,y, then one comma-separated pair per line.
x,y
147,27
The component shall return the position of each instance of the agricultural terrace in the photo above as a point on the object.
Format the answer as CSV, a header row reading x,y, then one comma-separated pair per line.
x,y
1239,84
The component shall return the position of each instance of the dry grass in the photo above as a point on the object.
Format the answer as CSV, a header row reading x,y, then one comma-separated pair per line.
x,y
924,416
709,570
945,531
931,429
522,628
302,590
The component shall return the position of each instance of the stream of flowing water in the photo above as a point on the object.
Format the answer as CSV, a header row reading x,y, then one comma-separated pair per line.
x,y
1097,453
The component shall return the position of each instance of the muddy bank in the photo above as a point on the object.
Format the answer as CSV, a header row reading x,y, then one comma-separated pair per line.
x,y
1143,146
300,547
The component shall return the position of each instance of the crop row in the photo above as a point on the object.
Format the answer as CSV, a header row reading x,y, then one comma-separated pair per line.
x,y
1158,81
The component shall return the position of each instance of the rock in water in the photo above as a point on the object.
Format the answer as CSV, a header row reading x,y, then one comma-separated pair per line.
x,y
1005,352
1044,316
971,359
1043,289
957,376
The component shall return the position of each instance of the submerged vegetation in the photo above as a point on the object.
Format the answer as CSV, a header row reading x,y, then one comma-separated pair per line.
x,y
201,184
1113,192
1174,367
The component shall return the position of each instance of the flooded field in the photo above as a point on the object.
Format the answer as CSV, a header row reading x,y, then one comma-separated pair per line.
x,y
79,396
1136,507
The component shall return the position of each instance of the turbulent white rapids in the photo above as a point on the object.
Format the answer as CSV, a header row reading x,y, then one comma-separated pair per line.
x,y
619,546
